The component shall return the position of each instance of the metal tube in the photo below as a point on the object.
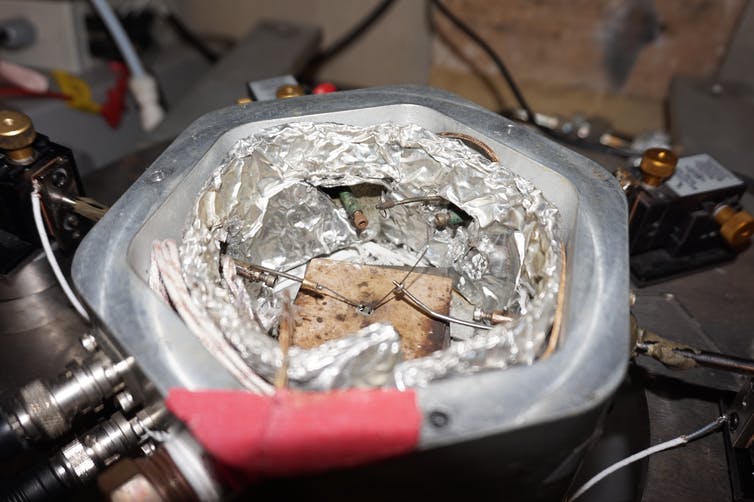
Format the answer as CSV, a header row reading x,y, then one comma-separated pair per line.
x,y
399,289
708,359
305,283
387,204
719,361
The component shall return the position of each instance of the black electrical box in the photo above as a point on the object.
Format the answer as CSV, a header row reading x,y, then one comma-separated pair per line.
x,y
680,224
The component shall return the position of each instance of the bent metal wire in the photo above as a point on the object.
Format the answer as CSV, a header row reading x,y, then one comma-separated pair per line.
x,y
263,206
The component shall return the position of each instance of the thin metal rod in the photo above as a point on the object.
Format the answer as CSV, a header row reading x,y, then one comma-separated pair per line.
x,y
385,299
719,361
387,204
708,359
305,283
400,289
241,266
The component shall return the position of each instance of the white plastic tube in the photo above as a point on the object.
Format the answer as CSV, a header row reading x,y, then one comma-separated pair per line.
x,y
143,85
124,44
36,208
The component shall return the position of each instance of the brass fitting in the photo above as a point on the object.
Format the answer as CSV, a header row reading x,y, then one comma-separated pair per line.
x,y
16,136
657,165
494,317
736,227
359,220
289,91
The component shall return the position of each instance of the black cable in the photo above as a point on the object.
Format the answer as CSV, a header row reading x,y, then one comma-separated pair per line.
x,y
10,444
530,115
37,484
190,38
352,35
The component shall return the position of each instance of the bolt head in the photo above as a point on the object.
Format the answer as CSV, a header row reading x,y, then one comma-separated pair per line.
x,y
16,130
59,177
738,229
439,418
657,165
289,91
89,342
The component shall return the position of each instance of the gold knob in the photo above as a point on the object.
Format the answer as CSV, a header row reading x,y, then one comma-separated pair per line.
x,y
736,227
657,165
16,136
289,91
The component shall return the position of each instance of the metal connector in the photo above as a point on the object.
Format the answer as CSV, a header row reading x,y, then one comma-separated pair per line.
x,y
494,317
44,410
81,460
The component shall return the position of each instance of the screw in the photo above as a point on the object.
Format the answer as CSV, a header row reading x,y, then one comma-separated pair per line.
x,y
286,91
156,176
71,221
59,177
439,418
89,342
733,424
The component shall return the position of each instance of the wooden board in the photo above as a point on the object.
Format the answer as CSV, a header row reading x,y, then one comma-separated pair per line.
x,y
319,318
574,43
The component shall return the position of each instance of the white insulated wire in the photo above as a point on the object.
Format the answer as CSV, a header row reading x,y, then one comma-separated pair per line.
x,y
36,208
627,461
667,445
143,86
120,37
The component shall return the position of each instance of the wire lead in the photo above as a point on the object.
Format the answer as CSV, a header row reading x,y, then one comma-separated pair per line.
x,y
387,204
400,289
385,299
306,284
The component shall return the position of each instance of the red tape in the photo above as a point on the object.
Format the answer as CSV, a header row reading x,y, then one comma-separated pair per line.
x,y
293,433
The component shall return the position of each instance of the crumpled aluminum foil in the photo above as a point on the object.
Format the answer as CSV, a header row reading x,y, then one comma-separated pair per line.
x,y
263,206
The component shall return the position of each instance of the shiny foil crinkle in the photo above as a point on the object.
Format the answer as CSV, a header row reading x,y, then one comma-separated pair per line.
x,y
264,206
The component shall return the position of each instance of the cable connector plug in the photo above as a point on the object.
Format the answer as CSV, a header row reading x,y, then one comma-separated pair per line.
x,y
144,89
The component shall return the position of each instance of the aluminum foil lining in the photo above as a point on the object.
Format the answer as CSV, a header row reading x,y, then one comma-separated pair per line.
x,y
264,205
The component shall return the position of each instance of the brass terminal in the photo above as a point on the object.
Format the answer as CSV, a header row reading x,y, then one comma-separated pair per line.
x,y
16,136
657,165
736,227
494,317
289,91
359,220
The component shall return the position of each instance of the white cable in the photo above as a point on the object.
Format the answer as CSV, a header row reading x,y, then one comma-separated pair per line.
x,y
143,85
626,461
37,210
679,441
120,37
